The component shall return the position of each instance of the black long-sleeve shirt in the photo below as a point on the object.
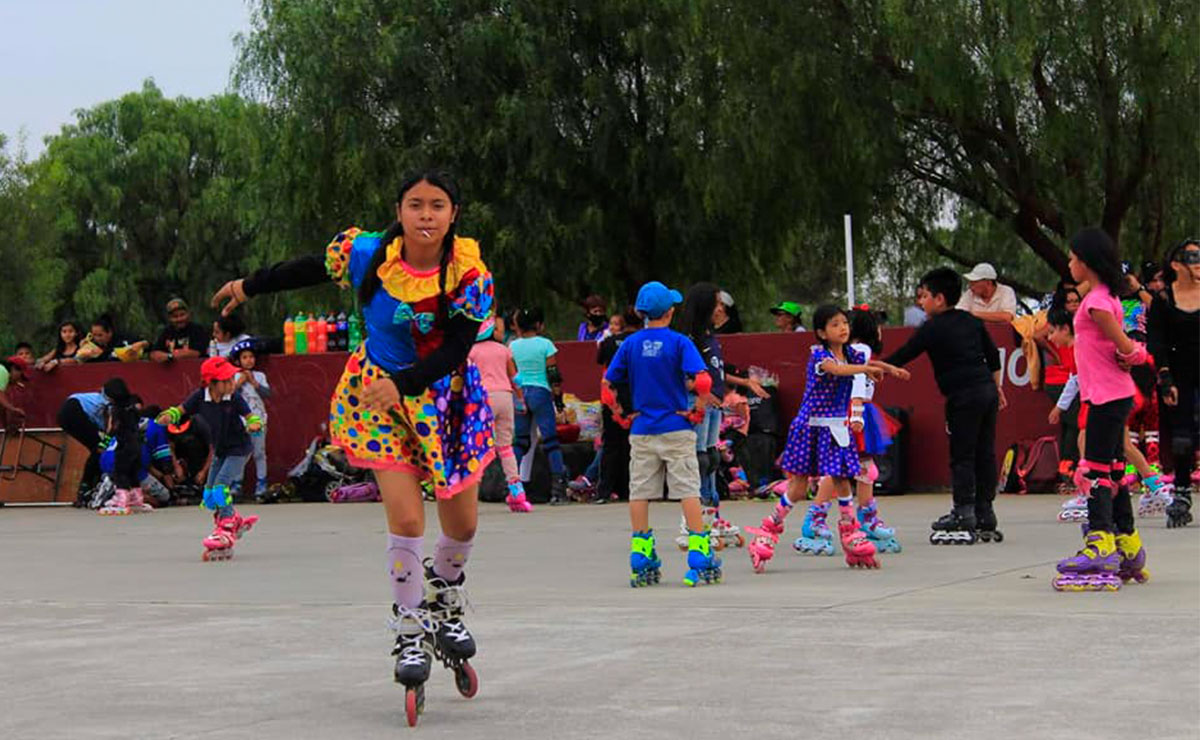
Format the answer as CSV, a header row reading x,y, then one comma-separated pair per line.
x,y
1174,339
962,352
457,338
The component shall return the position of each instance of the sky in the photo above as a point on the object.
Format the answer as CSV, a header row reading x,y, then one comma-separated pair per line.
x,y
63,55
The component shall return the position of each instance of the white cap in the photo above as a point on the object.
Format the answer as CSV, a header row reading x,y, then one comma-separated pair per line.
x,y
725,298
982,271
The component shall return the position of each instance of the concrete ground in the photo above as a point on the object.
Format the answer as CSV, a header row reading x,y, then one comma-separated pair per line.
x,y
114,628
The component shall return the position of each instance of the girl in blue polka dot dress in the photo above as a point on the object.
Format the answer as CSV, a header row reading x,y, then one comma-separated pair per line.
x,y
819,441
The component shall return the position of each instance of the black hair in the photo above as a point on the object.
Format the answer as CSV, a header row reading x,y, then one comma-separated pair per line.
x,y
1148,271
698,309
371,281
1058,316
633,319
944,282
152,411
22,345
233,325
1175,255
529,318
79,335
1095,249
864,328
822,316
104,321
116,391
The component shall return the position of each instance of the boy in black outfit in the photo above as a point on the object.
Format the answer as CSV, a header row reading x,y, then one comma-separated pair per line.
x,y
966,365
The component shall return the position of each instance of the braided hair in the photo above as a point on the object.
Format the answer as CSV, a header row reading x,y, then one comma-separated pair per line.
x,y
371,281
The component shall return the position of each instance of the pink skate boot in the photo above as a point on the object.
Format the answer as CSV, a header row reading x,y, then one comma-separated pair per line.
x,y
517,503
219,544
763,541
118,505
137,503
860,552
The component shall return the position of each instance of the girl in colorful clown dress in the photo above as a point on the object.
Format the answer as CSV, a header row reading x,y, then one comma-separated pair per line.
x,y
411,407
819,441
231,422
1103,355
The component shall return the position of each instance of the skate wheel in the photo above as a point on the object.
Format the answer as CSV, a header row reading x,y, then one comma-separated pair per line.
x,y
466,680
718,544
682,547
741,541
414,703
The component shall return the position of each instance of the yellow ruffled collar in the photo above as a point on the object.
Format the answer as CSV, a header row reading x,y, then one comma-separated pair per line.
x,y
405,283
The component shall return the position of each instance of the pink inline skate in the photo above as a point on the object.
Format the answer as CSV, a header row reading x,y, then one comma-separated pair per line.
x,y
137,502
226,532
860,552
517,503
763,540
118,505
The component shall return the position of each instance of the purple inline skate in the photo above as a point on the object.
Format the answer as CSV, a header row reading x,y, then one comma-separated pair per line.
x,y
1093,568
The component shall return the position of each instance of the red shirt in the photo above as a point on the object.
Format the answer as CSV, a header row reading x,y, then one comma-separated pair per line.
x,y
1060,373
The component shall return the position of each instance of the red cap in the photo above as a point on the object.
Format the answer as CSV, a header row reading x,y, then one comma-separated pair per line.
x,y
216,368
17,361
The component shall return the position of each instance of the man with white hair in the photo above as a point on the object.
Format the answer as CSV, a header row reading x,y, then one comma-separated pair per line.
x,y
987,299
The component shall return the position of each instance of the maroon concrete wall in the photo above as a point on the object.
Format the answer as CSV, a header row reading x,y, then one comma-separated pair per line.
x,y
303,384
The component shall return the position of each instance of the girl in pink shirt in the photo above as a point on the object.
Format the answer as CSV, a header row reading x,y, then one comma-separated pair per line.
x,y
497,370
1103,355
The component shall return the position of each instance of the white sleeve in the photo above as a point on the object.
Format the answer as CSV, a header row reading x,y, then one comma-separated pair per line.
x,y
1008,299
859,389
1069,392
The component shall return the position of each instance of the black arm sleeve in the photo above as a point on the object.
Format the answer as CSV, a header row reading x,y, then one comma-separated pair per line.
x,y
302,272
912,349
457,341
1156,334
990,353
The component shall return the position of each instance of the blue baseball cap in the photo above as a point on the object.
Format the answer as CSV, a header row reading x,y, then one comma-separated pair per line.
x,y
654,299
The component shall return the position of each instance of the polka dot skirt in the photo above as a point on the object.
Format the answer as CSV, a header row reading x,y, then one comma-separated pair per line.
x,y
444,435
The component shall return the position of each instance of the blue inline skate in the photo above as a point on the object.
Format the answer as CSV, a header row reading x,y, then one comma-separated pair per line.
x,y
815,536
644,564
702,564
883,536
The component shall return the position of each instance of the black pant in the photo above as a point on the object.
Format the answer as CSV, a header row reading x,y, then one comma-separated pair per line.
x,y
1184,422
614,465
971,419
76,423
1068,426
1105,447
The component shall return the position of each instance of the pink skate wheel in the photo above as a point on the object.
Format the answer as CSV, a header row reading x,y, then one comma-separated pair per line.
x,y
466,680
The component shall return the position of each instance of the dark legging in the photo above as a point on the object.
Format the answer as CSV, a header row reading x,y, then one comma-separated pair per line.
x,y
76,423
1104,465
1068,427
1184,432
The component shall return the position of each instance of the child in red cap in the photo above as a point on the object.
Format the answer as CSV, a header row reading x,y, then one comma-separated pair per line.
x,y
231,422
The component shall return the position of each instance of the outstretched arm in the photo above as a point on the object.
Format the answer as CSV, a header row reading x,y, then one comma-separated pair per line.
x,y
301,272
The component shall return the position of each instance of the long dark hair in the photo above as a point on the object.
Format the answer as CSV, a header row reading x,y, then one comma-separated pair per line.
x,y
1095,249
864,329
371,281
80,334
698,309
821,318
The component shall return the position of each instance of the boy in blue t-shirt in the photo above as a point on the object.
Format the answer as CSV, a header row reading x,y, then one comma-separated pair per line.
x,y
661,367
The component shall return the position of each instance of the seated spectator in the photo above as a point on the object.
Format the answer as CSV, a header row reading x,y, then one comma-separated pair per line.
x,y
70,335
9,413
731,322
181,338
595,315
105,344
226,332
985,298
787,316
24,350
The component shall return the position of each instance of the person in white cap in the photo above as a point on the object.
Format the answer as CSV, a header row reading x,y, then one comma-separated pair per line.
x,y
987,299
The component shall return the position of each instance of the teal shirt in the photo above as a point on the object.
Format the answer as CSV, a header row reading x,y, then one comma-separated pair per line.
x,y
530,356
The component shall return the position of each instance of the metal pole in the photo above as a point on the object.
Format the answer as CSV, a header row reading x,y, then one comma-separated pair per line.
x,y
849,263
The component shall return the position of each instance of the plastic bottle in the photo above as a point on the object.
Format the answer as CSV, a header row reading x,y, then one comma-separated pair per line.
x,y
343,328
301,334
311,332
322,333
354,331
289,336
